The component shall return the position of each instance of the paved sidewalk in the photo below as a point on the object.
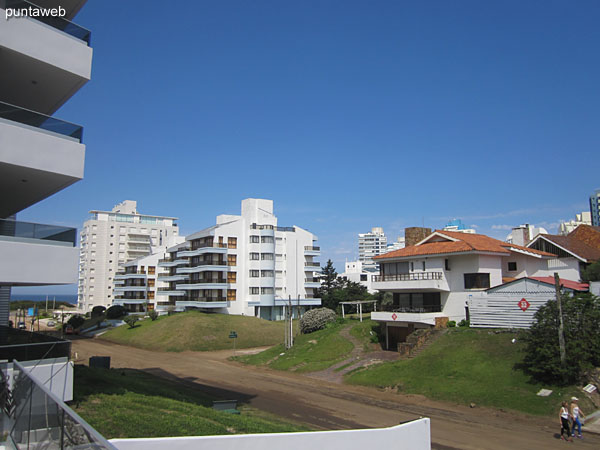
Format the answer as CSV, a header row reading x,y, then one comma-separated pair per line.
x,y
592,423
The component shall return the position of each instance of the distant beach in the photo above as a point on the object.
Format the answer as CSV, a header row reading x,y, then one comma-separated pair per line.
x,y
69,298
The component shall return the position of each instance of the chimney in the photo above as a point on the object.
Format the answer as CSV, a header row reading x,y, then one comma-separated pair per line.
x,y
415,234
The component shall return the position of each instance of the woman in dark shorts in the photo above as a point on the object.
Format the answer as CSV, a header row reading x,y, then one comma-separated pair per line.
x,y
564,422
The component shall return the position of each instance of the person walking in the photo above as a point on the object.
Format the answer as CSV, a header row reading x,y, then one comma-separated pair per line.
x,y
563,416
576,412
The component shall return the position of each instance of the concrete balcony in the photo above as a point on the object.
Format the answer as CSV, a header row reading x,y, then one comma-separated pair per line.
x,y
313,283
296,302
168,262
130,289
411,282
168,277
34,254
130,276
164,291
201,304
203,284
186,253
201,267
312,267
312,251
39,156
427,318
50,60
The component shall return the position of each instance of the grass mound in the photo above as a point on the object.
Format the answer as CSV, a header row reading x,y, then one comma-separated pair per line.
x,y
464,366
125,403
197,331
314,351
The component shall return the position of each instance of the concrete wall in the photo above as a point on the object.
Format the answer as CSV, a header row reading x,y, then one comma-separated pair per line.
x,y
415,435
595,288
56,374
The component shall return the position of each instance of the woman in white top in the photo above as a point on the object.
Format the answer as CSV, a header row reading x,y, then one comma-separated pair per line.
x,y
575,413
563,416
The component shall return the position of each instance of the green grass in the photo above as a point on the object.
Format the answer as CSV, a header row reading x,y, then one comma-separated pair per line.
x,y
365,331
464,366
125,403
311,352
198,332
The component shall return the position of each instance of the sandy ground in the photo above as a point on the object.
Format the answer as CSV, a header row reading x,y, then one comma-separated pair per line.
x,y
331,406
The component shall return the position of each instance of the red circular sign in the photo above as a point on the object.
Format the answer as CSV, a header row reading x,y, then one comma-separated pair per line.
x,y
524,304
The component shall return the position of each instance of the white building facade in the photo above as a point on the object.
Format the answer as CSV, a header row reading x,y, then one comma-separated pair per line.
x,y
354,271
370,245
110,239
245,264
44,63
583,218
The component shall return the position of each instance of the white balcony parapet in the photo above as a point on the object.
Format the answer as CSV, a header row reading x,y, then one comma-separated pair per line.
x,y
413,281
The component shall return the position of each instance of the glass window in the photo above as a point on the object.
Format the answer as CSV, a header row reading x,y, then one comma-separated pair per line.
x,y
266,256
512,266
254,239
254,291
254,256
477,280
254,273
267,239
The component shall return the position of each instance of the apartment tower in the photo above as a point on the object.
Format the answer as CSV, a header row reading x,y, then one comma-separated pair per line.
x,y
245,264
371,245
110,239
44,61
595,207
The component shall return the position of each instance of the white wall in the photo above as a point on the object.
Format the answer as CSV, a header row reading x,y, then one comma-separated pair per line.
x,y
35,263
56,374
595,288
415,435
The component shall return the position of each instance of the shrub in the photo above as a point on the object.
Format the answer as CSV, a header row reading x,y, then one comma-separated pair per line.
x,y
464,323
98,310
115,312
316,319
131,321
76,321
451,323
153,314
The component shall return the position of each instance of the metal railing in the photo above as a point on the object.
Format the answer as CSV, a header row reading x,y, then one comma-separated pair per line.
x,y
312,248
203,281
416,276
42,121
26,346
42,420
410,309
312,280
41,231
208,263
202,299
59,23
312,264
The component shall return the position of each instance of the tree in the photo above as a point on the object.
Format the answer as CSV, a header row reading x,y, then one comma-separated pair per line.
x,y
581,316
131,321
153,314
591,272
328,276
335,289
76,321
115,312
98,310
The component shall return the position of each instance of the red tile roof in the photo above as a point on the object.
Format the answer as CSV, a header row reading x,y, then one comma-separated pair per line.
x,y
583,241
569,284
457,242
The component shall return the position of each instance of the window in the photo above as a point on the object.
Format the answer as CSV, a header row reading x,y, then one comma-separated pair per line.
x,y
254,291
267,239
412,266
230,294
151,270
231,277
423,266
231,260
512,266
477,280
232,242
150,282
254,256
266,273
447,264
254,273
363,277
266,291
254,239
266,256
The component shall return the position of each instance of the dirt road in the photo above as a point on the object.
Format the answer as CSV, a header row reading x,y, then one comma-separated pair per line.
x,y
330,406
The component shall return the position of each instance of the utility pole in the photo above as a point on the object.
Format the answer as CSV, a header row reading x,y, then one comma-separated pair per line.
x,y
561,330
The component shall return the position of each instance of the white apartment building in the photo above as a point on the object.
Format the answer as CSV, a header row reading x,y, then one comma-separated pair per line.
x,y
400,243
370,245
583,218
434,280
110,239
524,234
43,64
354,271
245,264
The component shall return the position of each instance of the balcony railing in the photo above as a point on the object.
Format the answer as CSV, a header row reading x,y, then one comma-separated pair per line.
x,y
203,281
39,419
210,245
309,248
132,272
292,229
25,346
30,230
208,263
416,276
312,280
312,264
37,120
410,309
59,23
202,299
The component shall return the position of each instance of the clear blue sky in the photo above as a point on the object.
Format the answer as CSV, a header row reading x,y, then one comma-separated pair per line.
x,y
347,114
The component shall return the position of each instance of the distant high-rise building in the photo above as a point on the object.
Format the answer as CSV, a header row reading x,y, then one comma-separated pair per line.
x,y
108,240
400,243
584,218
524,234
595,208
371,245
457,225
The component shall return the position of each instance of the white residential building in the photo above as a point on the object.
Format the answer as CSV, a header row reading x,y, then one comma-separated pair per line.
x,y
584,218
400,243
433,281
370,245
110,239
524,234
43,64
354,271
245,264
